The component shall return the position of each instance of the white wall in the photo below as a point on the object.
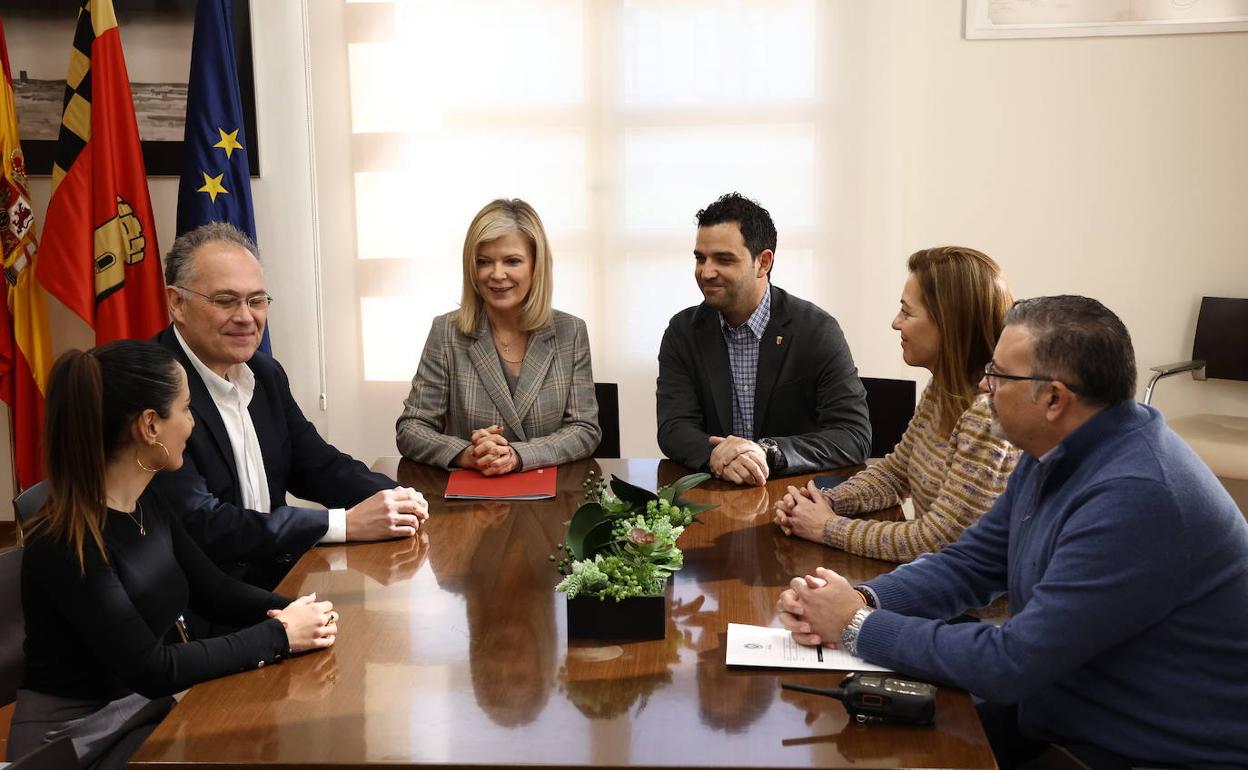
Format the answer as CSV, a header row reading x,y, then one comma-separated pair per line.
x,y
1112,167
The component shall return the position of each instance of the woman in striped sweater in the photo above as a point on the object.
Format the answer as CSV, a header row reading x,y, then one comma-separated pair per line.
x,y
949,461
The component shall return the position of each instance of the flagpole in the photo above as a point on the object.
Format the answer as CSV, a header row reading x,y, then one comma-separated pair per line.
x,y
314,204
17,484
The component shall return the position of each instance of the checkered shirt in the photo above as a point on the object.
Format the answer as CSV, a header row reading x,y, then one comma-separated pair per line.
x,y
743,364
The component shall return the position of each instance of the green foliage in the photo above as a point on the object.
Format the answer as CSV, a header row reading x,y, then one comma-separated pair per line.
x,y
585,577
622,541
630,493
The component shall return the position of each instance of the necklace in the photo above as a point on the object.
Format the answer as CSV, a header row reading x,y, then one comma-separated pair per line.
x,y
139,521
506,348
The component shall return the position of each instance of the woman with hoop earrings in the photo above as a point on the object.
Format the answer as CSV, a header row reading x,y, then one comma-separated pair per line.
x,y
108,568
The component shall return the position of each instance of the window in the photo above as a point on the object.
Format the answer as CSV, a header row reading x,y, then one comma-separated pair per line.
x,y
616,119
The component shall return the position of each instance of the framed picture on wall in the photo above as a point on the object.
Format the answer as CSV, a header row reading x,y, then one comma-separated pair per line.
x,y
156,38
987,19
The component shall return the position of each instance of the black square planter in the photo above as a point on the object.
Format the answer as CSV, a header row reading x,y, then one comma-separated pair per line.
x,y
635,619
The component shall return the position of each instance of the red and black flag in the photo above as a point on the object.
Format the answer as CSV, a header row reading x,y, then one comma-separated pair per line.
x,y
99,255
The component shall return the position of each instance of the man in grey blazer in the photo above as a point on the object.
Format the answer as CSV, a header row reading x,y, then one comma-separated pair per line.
x,y
755,382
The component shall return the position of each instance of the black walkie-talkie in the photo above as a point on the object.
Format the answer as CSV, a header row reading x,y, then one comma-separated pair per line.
x,y
869,697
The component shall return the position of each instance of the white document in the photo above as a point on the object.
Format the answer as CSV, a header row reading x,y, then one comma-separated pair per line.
x,y
775,648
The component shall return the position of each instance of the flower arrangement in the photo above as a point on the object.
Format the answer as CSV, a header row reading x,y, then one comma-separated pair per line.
x,y
622,541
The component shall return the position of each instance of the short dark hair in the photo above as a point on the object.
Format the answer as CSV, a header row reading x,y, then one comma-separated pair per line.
x,y
178,263
1081,342
757,229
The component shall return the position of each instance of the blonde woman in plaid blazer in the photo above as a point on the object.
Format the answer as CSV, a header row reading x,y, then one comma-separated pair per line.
x,y
505,382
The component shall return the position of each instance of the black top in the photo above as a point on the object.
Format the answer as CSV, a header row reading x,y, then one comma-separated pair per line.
x,y
254,546
101,634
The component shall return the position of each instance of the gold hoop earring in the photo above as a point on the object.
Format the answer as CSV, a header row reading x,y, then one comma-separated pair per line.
x,y
163,465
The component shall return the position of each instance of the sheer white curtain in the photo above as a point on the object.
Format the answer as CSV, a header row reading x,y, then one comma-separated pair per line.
x,y
617,120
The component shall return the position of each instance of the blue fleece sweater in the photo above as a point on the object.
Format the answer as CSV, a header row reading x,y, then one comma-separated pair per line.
x,y
1126,564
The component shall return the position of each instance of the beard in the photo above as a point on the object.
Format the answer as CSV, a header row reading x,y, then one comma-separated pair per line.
x,y
725,299
996,431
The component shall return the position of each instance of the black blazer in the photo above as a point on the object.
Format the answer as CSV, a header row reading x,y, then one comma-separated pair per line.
x,y
808,396
259,547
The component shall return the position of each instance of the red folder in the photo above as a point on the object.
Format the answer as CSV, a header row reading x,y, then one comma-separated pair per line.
x,y
467,484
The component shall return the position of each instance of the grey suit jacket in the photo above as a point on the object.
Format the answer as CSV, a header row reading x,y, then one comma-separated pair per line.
x,y
459,386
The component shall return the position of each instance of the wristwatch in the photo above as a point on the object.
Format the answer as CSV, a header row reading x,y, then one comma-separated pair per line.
x,y
849,637
775,458
868,596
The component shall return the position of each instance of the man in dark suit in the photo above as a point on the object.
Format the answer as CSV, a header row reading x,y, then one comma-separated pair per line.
x,y
755,382
251,444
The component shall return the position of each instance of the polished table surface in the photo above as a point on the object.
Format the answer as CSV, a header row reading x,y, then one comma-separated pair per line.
x,y
452,652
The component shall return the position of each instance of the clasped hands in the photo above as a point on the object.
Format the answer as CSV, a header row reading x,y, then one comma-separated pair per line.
x,y
817,608
738,460
309,624
489,453
387,514
804,511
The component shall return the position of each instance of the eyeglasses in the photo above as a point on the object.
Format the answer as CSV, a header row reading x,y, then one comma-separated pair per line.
x,y
991,375
231,302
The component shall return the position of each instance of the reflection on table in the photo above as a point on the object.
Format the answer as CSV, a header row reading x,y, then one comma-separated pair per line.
x,y
452,651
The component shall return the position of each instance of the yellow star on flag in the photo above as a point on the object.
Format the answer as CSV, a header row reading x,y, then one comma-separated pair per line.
x,y
212,186
229,142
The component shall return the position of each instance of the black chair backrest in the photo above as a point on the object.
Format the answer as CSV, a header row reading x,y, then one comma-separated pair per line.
x,y
891,404
57,755
608,394
12,624
29,500
1222,337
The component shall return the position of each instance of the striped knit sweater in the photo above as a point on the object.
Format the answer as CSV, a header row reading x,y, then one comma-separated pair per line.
x,y
953,480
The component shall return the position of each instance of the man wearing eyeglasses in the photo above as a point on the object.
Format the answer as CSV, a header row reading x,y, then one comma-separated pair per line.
x,y
251,444
1124,558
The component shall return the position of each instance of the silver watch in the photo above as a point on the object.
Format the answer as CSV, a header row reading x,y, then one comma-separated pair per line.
x,y
849,637
775,456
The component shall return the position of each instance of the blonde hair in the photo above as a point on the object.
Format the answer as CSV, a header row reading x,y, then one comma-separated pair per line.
x,y
967,297
498,218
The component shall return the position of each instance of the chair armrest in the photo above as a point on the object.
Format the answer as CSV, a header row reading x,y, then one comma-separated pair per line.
x,y
1167,370
1178,367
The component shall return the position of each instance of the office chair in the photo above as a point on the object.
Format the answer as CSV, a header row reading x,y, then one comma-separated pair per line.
x,y
26,503
891,405
1220,351
57,755
608,395
12,624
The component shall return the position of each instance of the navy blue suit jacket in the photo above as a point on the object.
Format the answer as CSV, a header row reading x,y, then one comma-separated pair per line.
x,y
250,545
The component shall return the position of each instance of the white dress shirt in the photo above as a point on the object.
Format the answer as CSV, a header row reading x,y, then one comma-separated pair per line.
x,y
232,395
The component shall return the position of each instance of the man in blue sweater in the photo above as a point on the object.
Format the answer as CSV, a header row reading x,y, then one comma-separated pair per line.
x,y
1125,560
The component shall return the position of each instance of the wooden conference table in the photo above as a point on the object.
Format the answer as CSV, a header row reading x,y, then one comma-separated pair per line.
x,y
452,652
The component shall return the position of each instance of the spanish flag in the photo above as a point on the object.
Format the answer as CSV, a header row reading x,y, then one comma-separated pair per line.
x,y
99,255
25,354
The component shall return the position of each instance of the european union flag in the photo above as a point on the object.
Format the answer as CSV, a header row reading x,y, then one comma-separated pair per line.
x,y
216,184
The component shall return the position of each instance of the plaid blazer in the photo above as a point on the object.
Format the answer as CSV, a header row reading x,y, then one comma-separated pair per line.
x,y
552,417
